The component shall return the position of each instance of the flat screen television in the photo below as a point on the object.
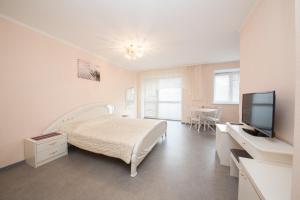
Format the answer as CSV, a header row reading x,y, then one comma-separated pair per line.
x,y
258,111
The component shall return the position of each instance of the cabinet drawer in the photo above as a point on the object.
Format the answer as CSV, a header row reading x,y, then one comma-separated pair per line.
x,y
51,152
52,144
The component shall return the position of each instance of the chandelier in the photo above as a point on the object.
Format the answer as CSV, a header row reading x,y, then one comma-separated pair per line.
x,y
134,51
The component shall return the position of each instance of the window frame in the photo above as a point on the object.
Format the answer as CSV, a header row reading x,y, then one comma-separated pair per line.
x,y
229,71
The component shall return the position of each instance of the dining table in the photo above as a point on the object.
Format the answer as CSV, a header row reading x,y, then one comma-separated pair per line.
x,y
206,112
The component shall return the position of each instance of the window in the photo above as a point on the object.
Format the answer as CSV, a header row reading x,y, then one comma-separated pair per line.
x,y
162,98
226,86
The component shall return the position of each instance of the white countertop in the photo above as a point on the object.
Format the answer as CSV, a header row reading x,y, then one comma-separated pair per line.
x,y
272,181
271,145
222,127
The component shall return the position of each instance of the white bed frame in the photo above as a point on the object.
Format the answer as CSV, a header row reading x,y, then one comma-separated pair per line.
x,y
141,149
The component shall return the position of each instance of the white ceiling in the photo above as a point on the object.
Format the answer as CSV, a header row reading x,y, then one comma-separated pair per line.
x,y
177,32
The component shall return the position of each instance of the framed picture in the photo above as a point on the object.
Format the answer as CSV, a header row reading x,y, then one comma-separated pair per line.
x,y
86,70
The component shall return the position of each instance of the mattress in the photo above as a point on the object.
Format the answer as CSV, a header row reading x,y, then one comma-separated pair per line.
x,y
110,135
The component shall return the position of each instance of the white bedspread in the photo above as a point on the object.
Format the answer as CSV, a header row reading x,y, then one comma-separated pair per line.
x,y
110,135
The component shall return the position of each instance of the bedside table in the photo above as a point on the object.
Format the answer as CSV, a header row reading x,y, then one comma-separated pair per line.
x,y
45,148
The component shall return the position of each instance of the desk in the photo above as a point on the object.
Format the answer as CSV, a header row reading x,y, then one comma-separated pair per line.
x,y
262,148
268,175
233,137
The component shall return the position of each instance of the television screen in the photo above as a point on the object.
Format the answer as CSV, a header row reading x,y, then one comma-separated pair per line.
x,y
258,111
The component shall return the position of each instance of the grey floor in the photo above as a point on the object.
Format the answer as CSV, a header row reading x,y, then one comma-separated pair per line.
x,y
184,166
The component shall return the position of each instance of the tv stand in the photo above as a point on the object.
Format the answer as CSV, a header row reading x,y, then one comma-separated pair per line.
x,y
270,167
254,132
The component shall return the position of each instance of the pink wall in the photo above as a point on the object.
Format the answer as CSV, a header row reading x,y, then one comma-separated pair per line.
x,y
268,58
230,111
198,87
38,83
296,171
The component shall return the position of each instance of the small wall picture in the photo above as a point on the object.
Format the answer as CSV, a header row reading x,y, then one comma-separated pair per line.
x,y
86,70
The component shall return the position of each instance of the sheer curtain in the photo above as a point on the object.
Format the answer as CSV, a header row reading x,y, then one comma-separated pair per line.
x,y
186,87
162,98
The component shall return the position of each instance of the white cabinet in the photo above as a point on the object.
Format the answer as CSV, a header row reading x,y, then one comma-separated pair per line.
x,y
224,143
45,149
234,166
246,190
264,180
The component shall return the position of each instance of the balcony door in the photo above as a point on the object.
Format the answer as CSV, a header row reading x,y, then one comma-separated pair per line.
x,y
162,98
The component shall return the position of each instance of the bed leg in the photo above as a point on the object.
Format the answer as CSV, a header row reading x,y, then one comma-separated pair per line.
x,y
164,136
133,172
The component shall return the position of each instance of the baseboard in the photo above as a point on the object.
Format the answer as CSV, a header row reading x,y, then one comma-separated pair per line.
x,y
12,165
187,123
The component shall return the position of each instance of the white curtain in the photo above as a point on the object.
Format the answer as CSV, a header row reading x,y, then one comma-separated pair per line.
x,y
190,85
162,98
130,101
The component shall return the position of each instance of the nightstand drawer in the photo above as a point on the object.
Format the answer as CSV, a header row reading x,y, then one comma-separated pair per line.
x,y
45,148
51,152
50,145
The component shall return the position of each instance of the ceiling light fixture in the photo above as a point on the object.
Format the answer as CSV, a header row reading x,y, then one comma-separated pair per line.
x,y
134,51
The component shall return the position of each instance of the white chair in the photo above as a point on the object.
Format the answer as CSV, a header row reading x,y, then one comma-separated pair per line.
x,y
193,118
211,121
201,121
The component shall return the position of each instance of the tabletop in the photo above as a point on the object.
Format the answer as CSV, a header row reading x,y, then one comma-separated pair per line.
x,y
206,109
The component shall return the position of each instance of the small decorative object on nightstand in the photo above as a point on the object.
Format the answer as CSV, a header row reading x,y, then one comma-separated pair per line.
x,y
45,148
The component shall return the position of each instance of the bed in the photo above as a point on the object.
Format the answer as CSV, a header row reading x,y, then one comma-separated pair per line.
x,y
97,129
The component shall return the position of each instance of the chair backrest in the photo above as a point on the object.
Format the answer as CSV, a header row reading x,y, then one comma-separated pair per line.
x,y
219,113
194,113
